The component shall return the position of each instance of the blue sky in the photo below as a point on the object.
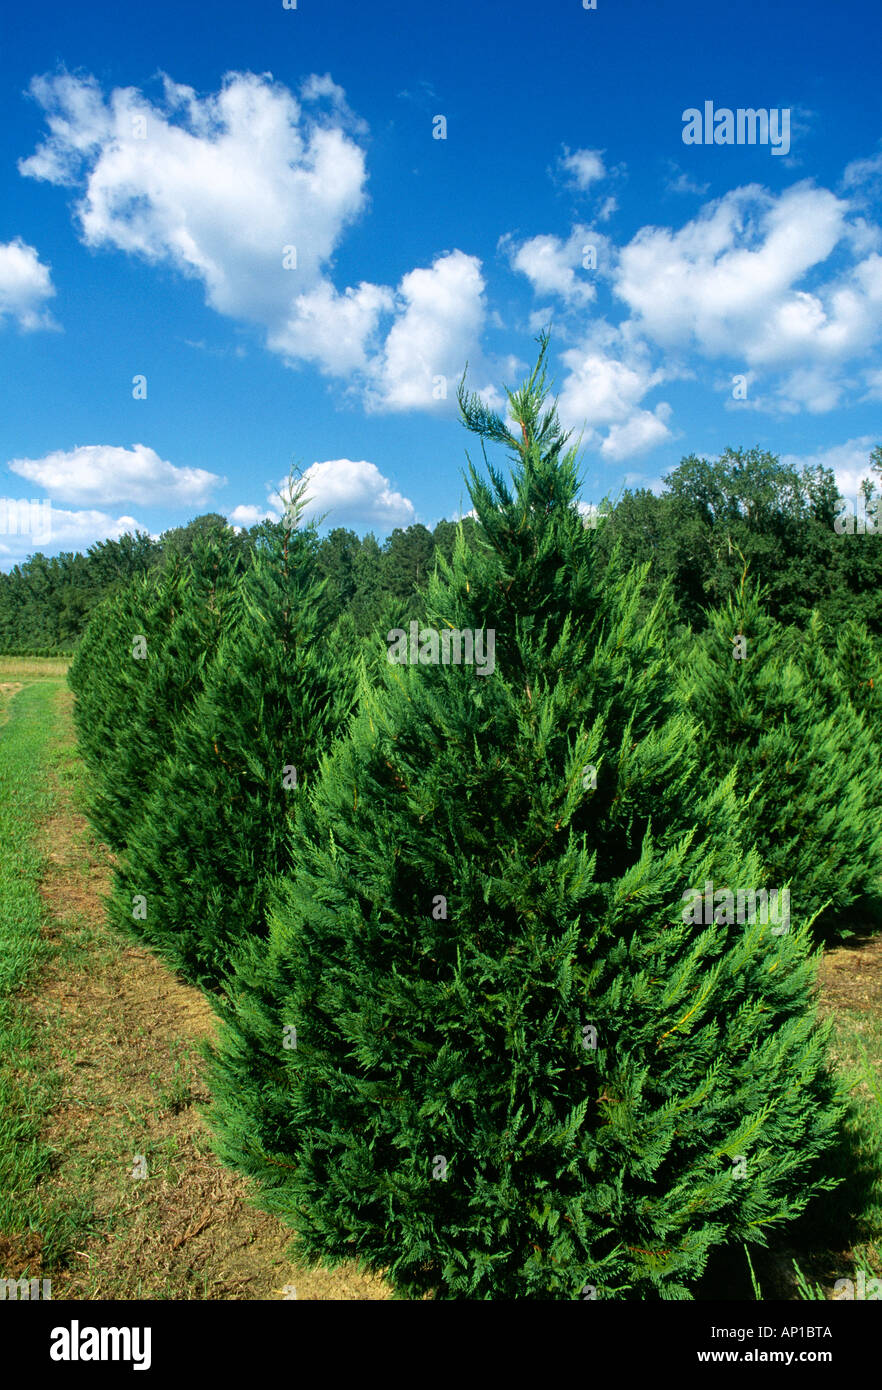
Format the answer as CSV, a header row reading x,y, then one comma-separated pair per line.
x,y
157,160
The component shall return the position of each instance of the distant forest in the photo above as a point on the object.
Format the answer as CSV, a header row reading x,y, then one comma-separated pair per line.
x,y
711,520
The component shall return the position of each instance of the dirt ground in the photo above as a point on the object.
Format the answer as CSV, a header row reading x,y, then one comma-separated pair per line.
x,y
850,976
125,1036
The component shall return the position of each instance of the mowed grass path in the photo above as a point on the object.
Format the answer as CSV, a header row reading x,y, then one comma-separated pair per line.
x,y
108,1184
35,1230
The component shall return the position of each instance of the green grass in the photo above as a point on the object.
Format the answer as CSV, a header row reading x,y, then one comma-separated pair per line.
x,y
39,1230
844,1232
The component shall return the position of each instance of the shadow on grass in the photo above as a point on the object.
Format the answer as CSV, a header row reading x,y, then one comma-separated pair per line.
x,y
852,926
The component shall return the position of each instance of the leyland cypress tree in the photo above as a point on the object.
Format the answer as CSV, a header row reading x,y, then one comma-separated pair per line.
x,y
97,662
486,1049
805,760
857,657
814,648
191,607
213,831
124,640
843,661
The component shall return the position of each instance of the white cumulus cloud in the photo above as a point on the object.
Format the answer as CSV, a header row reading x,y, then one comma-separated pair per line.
x,y
216,186
731,283
602,395
556,266
25,285
352,492
584,167
105,473
440,313
249,191
786,287
715,283
850,462
245,516
334,330
642,431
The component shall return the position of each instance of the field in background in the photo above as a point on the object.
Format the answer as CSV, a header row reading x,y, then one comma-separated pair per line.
x,y
33,668
100,1064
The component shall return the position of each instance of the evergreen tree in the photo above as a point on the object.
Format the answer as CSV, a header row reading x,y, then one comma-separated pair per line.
x,y
806,763
211,526
370,584
336,562
213,831
195,603
108,674
97,652
748,503
486,1049
140,664
445,533
813,649
409,559
858,660
47,602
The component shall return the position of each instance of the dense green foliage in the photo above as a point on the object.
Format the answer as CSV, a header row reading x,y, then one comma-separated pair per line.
x,y
213,831
483,1048
748,507
46,604
141,663
807,760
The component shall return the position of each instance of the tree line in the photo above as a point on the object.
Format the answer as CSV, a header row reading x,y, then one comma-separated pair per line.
x,y
46,602
711,518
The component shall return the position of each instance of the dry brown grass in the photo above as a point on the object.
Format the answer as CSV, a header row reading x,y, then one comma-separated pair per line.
x,y
33,668
125,1040
850,976
7,690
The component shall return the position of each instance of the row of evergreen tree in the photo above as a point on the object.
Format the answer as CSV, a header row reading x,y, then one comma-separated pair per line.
x,y
469,1033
